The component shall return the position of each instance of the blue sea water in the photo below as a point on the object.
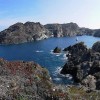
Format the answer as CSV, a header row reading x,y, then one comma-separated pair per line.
x,y
41,52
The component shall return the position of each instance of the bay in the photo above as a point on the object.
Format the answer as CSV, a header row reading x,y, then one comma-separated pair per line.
x,y
41,52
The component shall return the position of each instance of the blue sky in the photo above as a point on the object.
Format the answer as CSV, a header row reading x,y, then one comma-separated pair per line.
x,y
86,13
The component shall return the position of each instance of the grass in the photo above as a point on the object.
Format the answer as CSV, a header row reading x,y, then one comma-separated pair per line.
x,y
76,93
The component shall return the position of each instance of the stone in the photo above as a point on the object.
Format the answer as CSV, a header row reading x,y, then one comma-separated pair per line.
x,y
57,50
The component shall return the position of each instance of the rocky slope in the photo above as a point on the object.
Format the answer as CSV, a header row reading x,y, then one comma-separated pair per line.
x,y
69,29
19,33
21,80
84,64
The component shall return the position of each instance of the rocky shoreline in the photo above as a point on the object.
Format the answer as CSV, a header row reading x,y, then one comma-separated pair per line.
x,y
20,80
84,65
31,31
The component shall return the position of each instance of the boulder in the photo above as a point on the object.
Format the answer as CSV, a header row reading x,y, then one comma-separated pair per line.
x,y
90,82
57,50
82,62
96,46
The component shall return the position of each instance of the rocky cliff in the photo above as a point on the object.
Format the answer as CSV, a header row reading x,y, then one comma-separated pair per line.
x,y
84,64
19,33
69,29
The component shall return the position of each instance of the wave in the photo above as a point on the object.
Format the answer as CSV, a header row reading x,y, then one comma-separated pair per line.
x,y
57,79
57,54
39,51
57,72
65,57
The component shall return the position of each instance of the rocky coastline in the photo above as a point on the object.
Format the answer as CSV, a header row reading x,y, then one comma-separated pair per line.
x,y
84,65
31,31
20,80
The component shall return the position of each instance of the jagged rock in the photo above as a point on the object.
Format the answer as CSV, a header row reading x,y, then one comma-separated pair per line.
x,y
57,50
82,62
96,46
19,33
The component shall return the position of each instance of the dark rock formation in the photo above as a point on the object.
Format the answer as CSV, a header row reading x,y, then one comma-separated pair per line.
x,y
97,33
96,46
19,33
57,50
82,62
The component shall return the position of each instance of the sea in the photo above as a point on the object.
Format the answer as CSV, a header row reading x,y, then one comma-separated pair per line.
x,y
41,53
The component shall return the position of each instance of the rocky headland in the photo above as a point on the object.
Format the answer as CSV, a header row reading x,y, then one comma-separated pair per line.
x,y
20,33
84,65
68,29
31,31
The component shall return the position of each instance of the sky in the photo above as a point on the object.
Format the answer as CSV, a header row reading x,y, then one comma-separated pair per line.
x,y
86,13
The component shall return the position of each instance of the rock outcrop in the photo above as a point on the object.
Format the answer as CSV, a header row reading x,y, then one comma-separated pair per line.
x,y
19,33
83,62
57,50
21,80
55,29
96,47
69,29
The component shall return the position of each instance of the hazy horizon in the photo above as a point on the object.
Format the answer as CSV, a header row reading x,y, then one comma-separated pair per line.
x,y
85,13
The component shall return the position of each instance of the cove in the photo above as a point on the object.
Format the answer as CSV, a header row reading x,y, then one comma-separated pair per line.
x,y
41,52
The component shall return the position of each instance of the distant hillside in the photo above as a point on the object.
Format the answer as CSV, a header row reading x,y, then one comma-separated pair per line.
x,y
19,33
30,31
69,29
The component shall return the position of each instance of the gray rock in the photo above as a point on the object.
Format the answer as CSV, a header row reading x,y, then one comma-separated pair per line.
x,y
19,33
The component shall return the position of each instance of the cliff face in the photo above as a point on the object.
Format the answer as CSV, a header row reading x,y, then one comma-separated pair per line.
x,y
19,33
69,29
55,29
84,64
